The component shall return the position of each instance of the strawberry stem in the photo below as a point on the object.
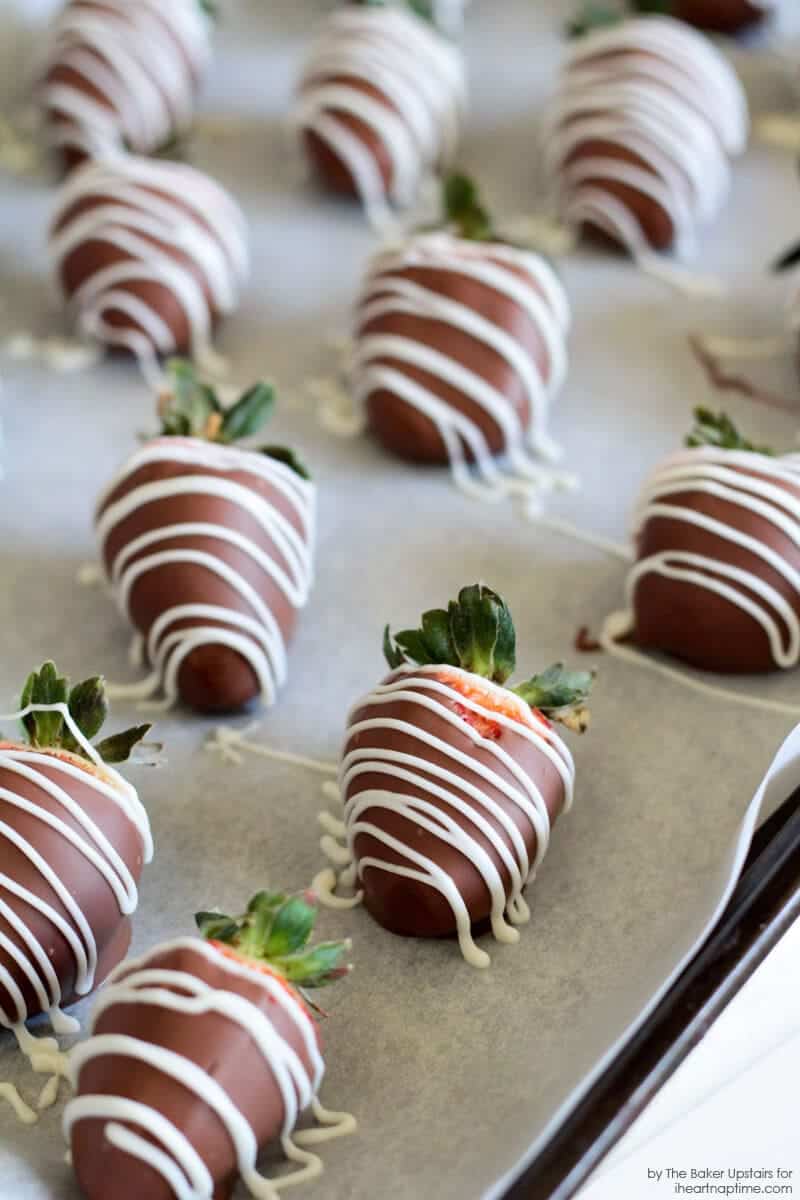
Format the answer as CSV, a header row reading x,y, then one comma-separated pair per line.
x,y
190,407
719,430
87,705
463,209
476,633
275,930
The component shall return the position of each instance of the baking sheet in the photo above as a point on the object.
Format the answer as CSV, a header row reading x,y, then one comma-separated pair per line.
x,y
454,1074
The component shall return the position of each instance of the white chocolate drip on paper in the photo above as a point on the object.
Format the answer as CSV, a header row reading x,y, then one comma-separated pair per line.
x,y
23,1112
146,206
620,624
145,59
748,483
232,744
49,1094
779,129
170,1153
595,540
43,1053
46,1058
254,632
660,90
32,956
62,355
379,359
750,348
421,79
427,688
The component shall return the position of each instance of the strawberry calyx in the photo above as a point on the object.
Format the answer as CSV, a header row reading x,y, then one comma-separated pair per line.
x,y
717,429
47,730
594,15
189,407
424,9
476,634
272,936
600,14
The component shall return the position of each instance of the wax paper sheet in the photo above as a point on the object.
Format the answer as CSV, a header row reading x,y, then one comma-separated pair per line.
x,y
454,1074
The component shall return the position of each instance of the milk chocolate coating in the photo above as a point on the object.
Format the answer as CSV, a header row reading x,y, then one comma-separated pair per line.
x,y
86,884
412,435
719,16
655,221
328,166
698,625
219,1046
407,906
213,678
59,73
96,254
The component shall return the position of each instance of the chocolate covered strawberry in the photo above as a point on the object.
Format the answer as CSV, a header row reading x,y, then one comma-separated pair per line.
x,y
202,1052
646,117
73,840
208,548
123,76
380,102
716,580
459,347
451,780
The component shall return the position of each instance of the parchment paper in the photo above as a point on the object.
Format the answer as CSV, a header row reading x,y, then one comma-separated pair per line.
x,y
454,1074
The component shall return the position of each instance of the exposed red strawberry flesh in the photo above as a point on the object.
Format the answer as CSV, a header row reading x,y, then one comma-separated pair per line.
x,y
492,697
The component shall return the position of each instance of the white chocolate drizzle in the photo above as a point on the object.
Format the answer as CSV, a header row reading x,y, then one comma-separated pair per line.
x,y
379,359
748,483
101,857
420,77
169,1152
146,61
427,689
147,206
660,90
252,630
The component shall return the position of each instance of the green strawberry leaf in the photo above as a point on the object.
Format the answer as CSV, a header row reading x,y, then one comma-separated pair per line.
x,y
292,927
118,747
88,707
248,414
215,926
289,458
717,429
